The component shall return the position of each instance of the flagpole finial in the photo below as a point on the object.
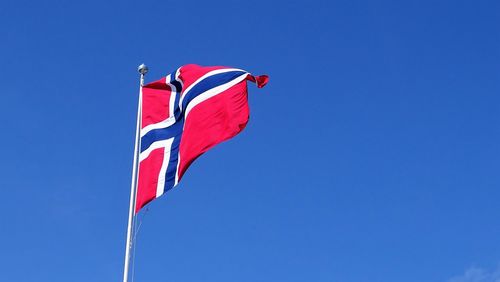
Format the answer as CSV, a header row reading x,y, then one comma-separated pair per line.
x,y
142,69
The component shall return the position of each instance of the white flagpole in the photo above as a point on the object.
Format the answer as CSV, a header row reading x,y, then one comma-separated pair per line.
x,y
143,69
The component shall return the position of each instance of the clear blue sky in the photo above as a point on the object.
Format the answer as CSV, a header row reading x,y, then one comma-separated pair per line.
x,y
372,154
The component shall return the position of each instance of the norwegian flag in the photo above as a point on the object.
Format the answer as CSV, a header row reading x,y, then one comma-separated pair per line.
x,y
183,115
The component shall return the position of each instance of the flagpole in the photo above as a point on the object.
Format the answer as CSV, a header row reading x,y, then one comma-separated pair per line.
x,y
143,69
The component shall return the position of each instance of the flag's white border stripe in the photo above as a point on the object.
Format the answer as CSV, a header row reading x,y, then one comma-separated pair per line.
x,y
156,145
177,168
210,73
173,91
160,188
162,124
177,73
176,180
212,92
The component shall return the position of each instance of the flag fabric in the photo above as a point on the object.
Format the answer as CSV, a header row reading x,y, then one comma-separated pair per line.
x,y
182,116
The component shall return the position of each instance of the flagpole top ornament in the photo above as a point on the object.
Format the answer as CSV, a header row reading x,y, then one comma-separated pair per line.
x,y
142,69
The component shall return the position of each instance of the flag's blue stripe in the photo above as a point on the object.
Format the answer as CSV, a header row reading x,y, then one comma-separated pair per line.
x,y
209,83
178,87
161,134
172,164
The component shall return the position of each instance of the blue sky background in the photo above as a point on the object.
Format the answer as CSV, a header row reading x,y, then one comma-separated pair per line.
x,y
372,154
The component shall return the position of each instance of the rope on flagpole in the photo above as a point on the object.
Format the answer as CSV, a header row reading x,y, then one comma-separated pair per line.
x,y
143,69
137,227
134,245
